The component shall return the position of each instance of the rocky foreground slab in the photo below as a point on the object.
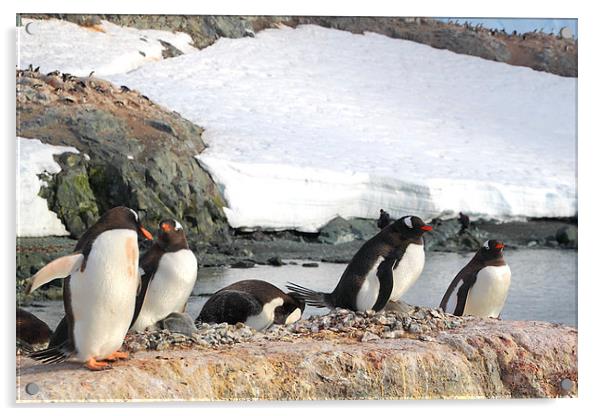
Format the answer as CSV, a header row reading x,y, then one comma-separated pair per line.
x,y
419,354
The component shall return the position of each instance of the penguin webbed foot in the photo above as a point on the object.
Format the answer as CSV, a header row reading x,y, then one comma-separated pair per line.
x,y
94,365
118,355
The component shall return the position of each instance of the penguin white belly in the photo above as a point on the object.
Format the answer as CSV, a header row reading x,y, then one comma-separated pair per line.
x,y
487,296
104,295
169,288
266,317
368,293
408,270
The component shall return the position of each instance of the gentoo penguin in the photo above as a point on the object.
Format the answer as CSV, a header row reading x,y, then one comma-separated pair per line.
x,y
384,219
99,292
481,287
256,303
31,329
382,270
168,270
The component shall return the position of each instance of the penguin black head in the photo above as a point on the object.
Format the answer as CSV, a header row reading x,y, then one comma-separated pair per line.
x,y
123,217
492,249
287,313
411,226
171,236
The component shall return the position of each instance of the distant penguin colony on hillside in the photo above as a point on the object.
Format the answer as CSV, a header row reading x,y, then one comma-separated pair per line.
x,y
108,291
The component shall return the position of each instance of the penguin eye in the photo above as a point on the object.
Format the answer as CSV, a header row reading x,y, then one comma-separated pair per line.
x,y
486,244
178,226
408,222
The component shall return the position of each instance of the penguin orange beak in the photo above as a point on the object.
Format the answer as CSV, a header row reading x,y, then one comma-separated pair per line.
x,y
166,227
499,245
145,233
426,228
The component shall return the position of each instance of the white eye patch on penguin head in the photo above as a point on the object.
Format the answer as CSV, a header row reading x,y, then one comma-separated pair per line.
x,y
135,214
414,224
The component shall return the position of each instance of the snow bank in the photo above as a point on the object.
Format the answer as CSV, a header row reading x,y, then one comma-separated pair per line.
x,y
106,49
34,219
308,123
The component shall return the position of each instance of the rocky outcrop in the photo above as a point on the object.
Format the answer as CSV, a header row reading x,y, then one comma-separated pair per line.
x,y
424,355
132,152
542,52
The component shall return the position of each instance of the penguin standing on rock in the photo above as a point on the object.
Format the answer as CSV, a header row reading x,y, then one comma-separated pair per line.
x,y
481,287
99,292
256,303
169,270
382,270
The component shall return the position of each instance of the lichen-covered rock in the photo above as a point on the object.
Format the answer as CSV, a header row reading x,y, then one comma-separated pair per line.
x,y
133,153
423,354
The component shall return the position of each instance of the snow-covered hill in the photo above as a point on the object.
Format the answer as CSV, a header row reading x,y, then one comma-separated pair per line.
x,y
309,123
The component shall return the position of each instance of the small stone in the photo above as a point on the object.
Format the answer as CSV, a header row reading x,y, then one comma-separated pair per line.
x,y
414,328
310,265
315,329
275,261
369,336
394,334
243,264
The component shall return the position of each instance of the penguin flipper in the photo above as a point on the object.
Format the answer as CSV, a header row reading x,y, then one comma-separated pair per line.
x,y
385,278
311,297
56,269
54,355
461,285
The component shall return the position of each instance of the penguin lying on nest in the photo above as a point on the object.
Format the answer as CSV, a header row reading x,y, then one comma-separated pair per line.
x,y
382,270
99,292
255,303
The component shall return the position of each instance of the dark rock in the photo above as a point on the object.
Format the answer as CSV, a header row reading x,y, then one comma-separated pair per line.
x,y
70,194
275,261
169,51
337,231
178,322
310,265
243,264
161,126
567,236
146,165
340,230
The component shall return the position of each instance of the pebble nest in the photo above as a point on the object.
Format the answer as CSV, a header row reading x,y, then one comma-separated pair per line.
x,y
418,323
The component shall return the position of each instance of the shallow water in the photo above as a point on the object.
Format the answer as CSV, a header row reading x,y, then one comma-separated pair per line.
x,y
544,284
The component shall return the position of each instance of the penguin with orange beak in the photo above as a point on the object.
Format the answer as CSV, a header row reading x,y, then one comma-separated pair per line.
x,y
169,271
99,292
382,270
481,287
